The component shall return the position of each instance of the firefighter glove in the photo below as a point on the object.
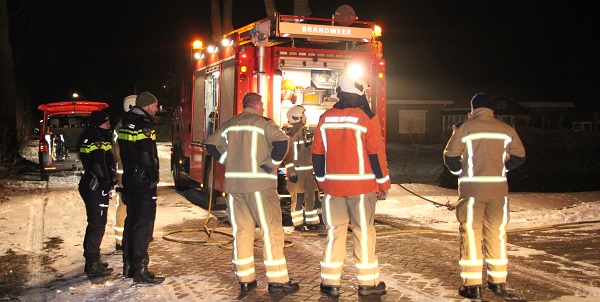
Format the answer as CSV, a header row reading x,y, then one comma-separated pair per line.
x,y
294,178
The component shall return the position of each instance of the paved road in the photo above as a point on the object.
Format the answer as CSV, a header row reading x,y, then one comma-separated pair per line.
x,y
416,266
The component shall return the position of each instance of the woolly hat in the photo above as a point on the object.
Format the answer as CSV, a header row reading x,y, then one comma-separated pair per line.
x,y
483,100
97,118
144,99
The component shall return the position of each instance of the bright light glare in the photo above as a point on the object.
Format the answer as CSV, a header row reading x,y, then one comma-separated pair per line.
x,y
212,49
377,31
226,42
355,71
197,44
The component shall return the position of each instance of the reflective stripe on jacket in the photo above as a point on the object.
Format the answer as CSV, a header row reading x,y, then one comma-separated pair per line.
x,y
245,142
137,143
484,144
350,141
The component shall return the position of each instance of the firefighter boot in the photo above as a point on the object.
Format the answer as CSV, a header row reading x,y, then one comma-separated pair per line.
x,y
330,290
372,290
245,287
127,269
95,269
141,275
471,292
283,288
499,289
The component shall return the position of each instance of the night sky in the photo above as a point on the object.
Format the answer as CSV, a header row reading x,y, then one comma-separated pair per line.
x,y
525,50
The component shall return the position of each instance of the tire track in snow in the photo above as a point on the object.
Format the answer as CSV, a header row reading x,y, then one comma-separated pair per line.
x,y
35,241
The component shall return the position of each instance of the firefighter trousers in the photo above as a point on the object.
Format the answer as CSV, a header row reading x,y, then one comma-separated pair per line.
x,y
139,223
96,208
483,228
262,208
360,210
302,195
121,213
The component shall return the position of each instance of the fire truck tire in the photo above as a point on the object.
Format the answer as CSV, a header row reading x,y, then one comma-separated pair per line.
x,y
180,183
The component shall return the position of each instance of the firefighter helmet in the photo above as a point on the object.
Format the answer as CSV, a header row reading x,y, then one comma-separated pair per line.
x,y
129,102
287,90
352,84
294,114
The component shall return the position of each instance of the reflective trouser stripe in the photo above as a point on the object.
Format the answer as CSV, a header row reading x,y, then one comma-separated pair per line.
x,y
120,215
245,211
360,210
302,195
473,214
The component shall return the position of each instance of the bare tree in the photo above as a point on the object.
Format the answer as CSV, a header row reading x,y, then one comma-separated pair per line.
x,y
9,151
302,8
270,7
215,20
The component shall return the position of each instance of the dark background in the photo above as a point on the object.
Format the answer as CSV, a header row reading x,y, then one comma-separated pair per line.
x,y
525,50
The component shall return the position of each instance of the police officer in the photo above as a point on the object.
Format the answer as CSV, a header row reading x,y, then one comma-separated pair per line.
x,y
300,182
350,164
137,140
252,147
121,207
95,186
480,151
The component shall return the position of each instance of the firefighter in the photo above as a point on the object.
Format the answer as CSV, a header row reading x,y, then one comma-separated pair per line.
x,y
95,186
480,151
300,181
288,92
137,141
252,147
121,207
350,166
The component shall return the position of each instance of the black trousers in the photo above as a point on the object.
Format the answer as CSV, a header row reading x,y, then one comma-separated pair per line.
x,y
96,207
139,224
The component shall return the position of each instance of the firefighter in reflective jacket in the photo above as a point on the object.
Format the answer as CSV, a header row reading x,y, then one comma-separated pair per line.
x,y
350,165
252,147
137,140
480,151
121,207
95,186
298,164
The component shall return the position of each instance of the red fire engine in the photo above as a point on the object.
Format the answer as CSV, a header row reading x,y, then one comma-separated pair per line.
x,y
288,60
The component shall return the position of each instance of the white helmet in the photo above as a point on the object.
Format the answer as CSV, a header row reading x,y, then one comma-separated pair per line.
x,y
294,114
352,84
129,102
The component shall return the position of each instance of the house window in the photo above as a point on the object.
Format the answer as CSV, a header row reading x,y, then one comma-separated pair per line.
x,y
501,105
582,126
451,120
411,121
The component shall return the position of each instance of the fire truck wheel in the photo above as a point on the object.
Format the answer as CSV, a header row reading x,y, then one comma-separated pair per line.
x,y
180,183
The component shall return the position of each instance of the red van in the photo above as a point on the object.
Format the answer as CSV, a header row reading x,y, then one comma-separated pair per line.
x,y
61,128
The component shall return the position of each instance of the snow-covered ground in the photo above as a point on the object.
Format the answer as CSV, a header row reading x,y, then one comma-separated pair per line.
x,y
37,211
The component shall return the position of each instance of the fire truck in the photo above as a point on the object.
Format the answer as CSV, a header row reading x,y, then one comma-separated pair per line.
x,y
289,60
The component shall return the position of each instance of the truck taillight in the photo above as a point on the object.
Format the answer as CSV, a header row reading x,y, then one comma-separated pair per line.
x,y
43,146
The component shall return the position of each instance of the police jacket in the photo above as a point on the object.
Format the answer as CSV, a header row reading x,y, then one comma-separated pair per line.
x,y
299,156
251,147
137,141
480,151
348,150
97,158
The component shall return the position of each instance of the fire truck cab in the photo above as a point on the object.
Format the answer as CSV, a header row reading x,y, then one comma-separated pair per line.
x,y
289,60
